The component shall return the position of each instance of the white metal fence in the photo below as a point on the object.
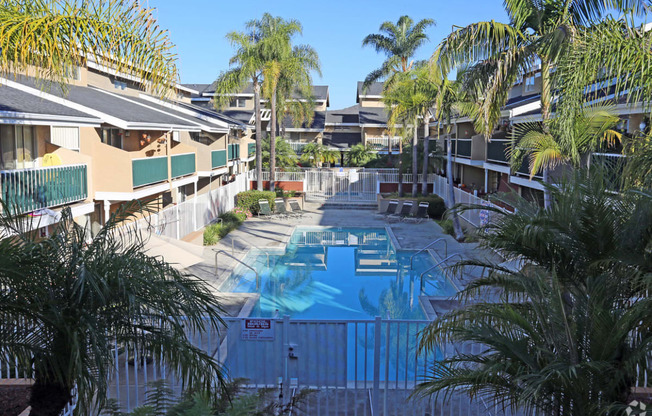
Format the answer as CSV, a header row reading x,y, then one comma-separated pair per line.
x,y
345,186
475,217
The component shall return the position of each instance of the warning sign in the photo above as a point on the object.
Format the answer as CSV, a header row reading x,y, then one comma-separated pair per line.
x,y
257,330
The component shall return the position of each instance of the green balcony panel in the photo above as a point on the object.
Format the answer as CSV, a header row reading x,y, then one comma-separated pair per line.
x,y
234,151
149,170
496,151
183,165
27,190
218,158
230,150
251,149
463,148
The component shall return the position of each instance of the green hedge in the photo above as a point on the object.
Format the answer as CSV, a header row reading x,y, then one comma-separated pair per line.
x,y
215,232
436,205
249,200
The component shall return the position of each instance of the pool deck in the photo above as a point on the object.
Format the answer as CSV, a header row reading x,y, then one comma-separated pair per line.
x,y
267,233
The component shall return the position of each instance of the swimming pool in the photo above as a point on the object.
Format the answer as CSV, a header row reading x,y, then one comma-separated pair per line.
x,y
337,273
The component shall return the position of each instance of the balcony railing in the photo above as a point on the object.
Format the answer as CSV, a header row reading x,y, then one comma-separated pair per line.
x,y
182,164
463,148
27,190
218,158
297,146
382,143
234,151
496,151
251,149
149,170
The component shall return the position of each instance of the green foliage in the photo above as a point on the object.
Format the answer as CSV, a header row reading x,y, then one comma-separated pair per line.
x,y
447,226
315,154
88,293
359,155
249,199
285,156
216,231
280,193
556,330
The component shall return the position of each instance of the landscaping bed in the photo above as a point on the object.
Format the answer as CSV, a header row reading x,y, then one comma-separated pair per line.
x,y
14,397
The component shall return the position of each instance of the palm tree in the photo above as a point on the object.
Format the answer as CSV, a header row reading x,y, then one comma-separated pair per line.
x,y
499,54
249,61
285,66
358,155
56,36
285,156
399,42
318,154
556,331
548,147
407,99
70,298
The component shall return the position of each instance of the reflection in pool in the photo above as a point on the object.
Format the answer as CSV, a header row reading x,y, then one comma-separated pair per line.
x,y
338,273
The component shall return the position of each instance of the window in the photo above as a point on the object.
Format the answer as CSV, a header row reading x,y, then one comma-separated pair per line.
x,y
238,102
529,84
119,84
17,147
112,137
200,138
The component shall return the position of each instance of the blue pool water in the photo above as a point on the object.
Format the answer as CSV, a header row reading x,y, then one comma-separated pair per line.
x,y
338,273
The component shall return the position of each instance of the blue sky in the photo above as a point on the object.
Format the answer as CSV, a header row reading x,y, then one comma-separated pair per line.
x,y
335,28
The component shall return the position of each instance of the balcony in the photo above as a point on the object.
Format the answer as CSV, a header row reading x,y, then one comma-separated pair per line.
x,y
27,190
233,151
496,151
149,170
463,148
381,143
297,146
182,165
218,159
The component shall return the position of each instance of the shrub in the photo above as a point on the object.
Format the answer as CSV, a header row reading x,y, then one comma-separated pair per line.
x,y
280,193
242,214
447,226
230,221
249,200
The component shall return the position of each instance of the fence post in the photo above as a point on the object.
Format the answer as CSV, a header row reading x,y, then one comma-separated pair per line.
x,y
176,209
376,386
194,209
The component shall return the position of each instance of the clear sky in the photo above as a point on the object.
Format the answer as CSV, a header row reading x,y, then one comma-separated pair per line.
x,y
335,28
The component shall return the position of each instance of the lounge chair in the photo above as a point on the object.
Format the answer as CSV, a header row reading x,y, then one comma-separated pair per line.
x,y
406,208
296,209
390,210
265,210
421,215
279,208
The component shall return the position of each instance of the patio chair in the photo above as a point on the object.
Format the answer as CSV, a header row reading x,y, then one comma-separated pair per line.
x,y
279,208
296,208
421,215
265,210
406,208
390,210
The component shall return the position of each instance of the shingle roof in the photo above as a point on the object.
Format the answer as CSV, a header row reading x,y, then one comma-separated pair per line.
x,y
373,115
374,89
197,87
14,100
211,113
242,116
520,100
318,121
347,115
341,140
320,92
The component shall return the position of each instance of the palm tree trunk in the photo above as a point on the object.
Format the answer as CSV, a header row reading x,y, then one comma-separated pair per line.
x,y
272,143
400,168
546,99
48,398
389,149
426,133
457,228
259,137
415,160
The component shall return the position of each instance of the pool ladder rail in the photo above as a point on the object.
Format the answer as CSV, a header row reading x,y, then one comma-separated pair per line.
x,y
217,252
250,246
422,282
432,243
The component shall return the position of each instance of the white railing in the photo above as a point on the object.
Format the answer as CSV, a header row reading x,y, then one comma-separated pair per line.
x,y
475,217
297,146
378,143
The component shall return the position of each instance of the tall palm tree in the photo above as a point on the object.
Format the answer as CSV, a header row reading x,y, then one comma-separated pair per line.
x,y
285,156
285,65
556,331
501,53
399,42
407,99
358,155
70,298
55,36
249,61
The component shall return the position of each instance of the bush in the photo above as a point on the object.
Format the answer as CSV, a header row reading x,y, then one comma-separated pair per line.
x,y
249,200
230,221
447,227
280,193
436,205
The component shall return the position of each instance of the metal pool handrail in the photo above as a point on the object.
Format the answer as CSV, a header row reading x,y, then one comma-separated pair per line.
x,y
250,245
430,245
239,261
437,265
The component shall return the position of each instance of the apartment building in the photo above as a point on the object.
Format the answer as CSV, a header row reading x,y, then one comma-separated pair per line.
x,y
100,141
241,108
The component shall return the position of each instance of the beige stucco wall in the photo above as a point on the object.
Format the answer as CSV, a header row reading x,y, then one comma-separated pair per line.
x,y
371,102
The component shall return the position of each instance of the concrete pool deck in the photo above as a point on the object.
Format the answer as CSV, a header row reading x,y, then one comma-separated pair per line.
x,y
274,233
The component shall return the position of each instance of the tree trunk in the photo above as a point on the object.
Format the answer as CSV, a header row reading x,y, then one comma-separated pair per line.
x,y
400,169
546,99
547,198
426,133
389,149
457,228
48,399
415,160
259,137
272,143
